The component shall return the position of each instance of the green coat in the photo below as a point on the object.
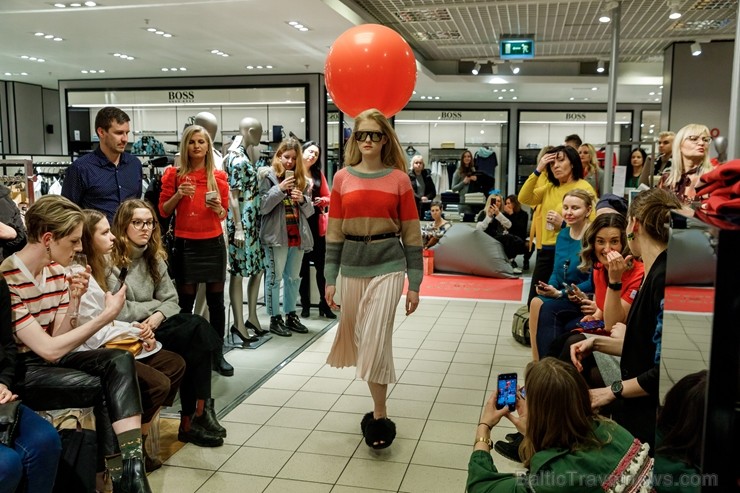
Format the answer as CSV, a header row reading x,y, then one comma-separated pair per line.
x,y
559,470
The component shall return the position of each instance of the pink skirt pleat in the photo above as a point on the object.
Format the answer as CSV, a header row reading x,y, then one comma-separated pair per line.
x,y
364,336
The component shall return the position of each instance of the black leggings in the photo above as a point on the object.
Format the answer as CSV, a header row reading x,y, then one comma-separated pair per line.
x,y
214,300
317,256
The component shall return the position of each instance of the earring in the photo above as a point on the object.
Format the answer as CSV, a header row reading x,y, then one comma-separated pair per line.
x,y
630,236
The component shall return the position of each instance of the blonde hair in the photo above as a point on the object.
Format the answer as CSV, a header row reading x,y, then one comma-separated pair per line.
x,y
594,162
185,164
677,168
52,214
490,200
290,144
391,153
584,195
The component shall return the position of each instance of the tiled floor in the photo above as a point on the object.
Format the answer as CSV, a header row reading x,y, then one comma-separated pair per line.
x,y
300,431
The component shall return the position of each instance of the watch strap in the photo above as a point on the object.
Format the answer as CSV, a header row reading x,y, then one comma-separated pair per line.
x,y
616,286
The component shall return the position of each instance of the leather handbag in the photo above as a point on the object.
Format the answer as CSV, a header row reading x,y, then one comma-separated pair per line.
x,y
130,344
9,417
77,464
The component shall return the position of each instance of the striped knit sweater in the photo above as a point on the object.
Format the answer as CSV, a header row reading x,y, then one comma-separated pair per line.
x,y
373,204
31,303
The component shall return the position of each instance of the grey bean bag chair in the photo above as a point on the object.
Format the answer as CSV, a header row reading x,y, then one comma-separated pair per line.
x,y
466,250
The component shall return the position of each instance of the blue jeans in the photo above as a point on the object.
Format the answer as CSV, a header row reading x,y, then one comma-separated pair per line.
x,y
34,455
282,263
557,316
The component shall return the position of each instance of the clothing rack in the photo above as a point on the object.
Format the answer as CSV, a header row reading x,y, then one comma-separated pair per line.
x,y
26,175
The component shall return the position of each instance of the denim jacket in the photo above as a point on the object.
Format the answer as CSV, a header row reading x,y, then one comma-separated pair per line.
x,y
273,230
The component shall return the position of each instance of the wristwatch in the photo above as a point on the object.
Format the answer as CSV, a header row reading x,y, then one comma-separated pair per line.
x,y
617,389
616,286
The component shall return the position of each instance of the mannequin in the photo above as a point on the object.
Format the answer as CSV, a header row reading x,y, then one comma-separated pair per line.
x,y
246,258
210,123
720,144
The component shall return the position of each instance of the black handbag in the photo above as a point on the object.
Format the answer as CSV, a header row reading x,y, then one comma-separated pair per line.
x,y
9,417
76,471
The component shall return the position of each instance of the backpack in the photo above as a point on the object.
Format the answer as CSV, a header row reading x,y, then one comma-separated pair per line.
x,y
520,326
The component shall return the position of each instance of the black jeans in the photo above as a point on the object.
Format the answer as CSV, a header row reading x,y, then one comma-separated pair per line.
x,y
542,270
317,255
104,379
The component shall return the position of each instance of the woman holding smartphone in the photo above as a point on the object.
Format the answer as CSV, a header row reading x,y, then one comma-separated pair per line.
x,y
567,445
199,194
285,234
374,237
317,222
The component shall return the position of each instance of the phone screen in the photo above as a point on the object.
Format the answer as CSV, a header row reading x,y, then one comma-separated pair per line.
x,y
121,279
506,391
591,325
289,173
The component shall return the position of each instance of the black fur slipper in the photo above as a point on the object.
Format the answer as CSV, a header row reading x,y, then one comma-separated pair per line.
x,y
380,433
365,420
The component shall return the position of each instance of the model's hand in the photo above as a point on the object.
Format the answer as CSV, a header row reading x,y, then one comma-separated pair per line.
x,y
580,350
239,238
412,302
6,395
601,397
331,290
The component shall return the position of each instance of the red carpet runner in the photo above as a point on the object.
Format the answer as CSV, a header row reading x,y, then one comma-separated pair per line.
x,y
470,287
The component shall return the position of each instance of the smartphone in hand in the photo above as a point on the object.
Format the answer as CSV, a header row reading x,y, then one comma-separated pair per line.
x,y
211,195
121,280
289,173
506,391
591,325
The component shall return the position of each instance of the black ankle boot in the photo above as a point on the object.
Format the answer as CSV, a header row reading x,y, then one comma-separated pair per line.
x,y
220,364
209,421
133,479
325,311
277,326
293,323
306,311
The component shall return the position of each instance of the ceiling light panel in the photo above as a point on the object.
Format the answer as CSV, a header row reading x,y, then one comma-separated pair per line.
x,y
75,5
158,32
50,37
123,56
220,53
32,58
424,15
298,25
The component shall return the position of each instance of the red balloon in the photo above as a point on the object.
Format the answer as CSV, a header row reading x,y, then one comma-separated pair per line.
x,y
370,66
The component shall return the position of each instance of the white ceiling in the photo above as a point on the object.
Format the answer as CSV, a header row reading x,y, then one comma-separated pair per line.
x,y
568,35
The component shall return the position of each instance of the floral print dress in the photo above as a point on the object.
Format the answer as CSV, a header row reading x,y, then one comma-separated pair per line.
x,y
247,260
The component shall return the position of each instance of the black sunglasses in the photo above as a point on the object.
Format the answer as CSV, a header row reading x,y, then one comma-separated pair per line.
x,y
361,135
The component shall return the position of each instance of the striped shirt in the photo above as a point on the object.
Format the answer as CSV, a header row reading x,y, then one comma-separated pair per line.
x,y
373,204
34,301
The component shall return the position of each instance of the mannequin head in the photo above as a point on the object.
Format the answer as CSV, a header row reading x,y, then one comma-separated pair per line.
x,y
720,144
251,131
208,121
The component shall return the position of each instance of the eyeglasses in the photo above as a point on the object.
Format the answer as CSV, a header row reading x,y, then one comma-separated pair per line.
x,y
139,225
362,135
695,138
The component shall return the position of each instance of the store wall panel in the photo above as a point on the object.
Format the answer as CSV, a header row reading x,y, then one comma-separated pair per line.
x,y
412,133
52,122
232,116
291,118
534,135
446,133
157,122
478,134
28,113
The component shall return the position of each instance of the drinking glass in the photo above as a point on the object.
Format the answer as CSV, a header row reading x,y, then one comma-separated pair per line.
x,y
77,266
190,181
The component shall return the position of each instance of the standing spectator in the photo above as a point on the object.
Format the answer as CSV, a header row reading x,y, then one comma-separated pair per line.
x,y
200,194
107,176
12,230
564,173
638,159
665,151
574,141
690,161
286,206
318,223
374,236
592,173
421,182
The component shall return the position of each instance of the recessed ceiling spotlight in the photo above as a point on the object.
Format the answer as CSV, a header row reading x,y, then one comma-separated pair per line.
x,y
219,53
501,97
298,25
151,29
585,99
651,93
423,97
57,39
59,5
514,98
49,36
594,88
75,4
514,68
495,90
83,71
183,69
159,32
436,97
166,35
572,99
38,34
90,4
24,73
268,66
250,67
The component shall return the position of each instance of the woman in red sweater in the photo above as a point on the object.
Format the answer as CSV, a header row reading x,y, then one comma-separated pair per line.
x,y
374,236
198,192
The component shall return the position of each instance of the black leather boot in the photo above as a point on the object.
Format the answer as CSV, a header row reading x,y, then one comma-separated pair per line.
x,y
209,421
277,326
325,311
221,365
293,323
133,479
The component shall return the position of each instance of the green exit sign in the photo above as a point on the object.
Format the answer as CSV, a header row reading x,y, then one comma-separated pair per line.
x,y
516,49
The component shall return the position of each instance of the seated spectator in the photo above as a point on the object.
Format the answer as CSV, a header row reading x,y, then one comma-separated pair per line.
x,y
12,230
576,211
567,444
160,373
152,302
615,281
432,232
55,376
679,434
519,220
496,224
637,393
33,456
421,182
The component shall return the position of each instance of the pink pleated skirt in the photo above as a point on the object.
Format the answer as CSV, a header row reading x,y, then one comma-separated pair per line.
x,y
364,336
